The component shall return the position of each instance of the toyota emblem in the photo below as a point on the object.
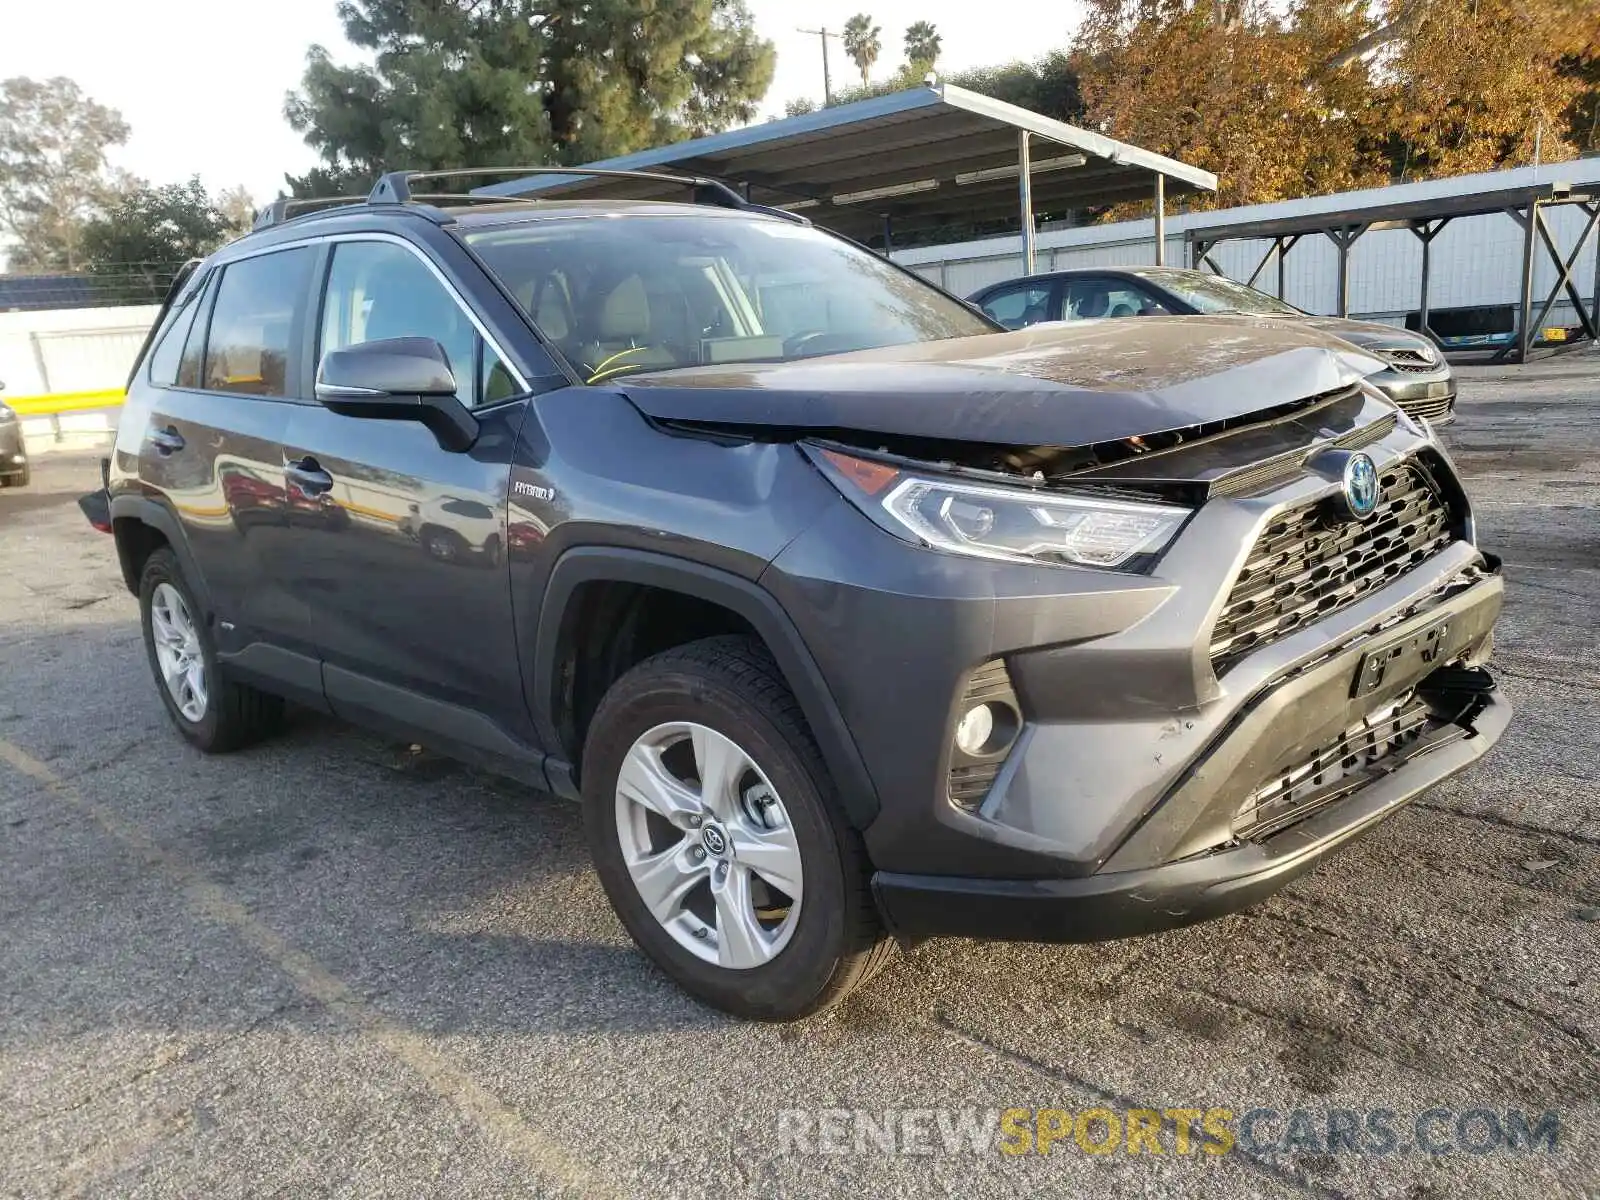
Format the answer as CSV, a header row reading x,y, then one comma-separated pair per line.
x,y
714,840
1360,486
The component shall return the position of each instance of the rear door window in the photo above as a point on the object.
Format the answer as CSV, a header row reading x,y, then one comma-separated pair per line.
x,y
256,323
1094,298
1025,304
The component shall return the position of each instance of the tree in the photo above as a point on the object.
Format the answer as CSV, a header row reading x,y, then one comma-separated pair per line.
x,y
862,42
238,211
53,170
468,83
1218,84
137,245
1048,85
1333,94
1460,95
923,44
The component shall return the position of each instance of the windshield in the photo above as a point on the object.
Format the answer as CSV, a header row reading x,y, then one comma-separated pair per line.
x,y
1218,294
637,293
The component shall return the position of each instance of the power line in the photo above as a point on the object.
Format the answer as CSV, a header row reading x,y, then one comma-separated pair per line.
x,y
827,83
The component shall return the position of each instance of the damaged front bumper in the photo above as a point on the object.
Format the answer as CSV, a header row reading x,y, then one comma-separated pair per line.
x,y
1316,758
1120,904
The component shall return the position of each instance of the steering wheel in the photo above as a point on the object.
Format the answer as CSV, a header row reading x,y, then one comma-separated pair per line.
x,y
814,341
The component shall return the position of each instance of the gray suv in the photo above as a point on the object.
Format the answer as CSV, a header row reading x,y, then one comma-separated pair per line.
x,y
847,616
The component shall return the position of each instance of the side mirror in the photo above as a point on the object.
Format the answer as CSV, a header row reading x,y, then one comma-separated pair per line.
x,y
398,379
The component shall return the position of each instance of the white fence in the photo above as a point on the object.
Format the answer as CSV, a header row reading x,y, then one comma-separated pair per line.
x,y
72,349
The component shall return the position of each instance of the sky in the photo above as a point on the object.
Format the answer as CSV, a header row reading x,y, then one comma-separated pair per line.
x,y
202,82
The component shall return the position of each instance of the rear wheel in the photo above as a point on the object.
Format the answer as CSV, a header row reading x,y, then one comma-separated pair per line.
x,y
18,478
718,839
215,713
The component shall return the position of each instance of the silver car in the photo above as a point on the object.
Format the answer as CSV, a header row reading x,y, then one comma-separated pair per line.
x,y
1417,378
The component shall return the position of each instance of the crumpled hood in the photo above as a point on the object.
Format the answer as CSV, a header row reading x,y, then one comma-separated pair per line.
x,y
1065,384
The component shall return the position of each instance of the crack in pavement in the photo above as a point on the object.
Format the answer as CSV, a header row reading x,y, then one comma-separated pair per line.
x,y
1583,839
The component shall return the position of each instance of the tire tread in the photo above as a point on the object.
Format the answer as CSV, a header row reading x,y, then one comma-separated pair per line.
x,y
744,664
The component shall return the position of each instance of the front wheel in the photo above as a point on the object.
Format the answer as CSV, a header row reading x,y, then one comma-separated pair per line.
x,y
718,839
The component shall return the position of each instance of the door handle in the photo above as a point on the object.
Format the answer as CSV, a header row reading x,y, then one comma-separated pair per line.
x,y
167,441
308,476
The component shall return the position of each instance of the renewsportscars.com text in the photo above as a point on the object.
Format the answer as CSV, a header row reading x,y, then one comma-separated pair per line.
x,y
1176,1132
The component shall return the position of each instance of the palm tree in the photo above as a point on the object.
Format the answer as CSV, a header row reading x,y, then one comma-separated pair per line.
x,y
923,44
861,43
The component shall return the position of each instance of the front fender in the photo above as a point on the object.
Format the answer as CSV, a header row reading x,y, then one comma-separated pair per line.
x,y
593,564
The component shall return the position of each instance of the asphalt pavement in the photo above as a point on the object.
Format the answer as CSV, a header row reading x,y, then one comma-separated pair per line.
x,y
332,966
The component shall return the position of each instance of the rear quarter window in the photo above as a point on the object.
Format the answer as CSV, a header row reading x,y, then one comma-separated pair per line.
x,y
168,354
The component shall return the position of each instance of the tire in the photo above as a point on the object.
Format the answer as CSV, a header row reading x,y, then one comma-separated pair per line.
x,y
444,545
831,941
233,715
18,478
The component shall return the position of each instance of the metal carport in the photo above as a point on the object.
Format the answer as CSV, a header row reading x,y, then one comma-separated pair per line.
x,y
1425,218
906,162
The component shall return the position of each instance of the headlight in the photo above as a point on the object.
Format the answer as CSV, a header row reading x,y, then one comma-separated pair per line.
x,y
1013,524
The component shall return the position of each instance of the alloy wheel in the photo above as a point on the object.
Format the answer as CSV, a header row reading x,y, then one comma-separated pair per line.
x,y
178,651
708,844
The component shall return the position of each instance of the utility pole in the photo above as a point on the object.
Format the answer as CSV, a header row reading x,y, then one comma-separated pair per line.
x,y
827,82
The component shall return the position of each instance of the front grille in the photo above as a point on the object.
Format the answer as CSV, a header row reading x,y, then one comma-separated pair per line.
x,y
1360,439
1307,564
1410,360
1331,772
1435,409
1274,471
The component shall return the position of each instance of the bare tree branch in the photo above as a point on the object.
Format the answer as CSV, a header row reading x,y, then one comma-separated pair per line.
x,y
1405,17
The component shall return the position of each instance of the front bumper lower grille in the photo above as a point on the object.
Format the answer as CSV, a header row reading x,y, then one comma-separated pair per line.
x,y
1435,409
1333,771
1307,564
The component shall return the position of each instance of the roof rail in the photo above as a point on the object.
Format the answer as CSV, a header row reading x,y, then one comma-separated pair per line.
x,y
280,211
395,186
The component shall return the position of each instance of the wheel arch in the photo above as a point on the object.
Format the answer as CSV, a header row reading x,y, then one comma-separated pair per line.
x,y
749,602
141,526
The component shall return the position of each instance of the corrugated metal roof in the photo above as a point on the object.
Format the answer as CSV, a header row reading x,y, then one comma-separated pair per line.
x,y
927,157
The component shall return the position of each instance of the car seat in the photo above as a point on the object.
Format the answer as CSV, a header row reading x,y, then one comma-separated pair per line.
x,y
634,328
1094,303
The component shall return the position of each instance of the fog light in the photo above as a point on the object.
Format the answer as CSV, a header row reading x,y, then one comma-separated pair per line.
x,y
975,730
988,724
